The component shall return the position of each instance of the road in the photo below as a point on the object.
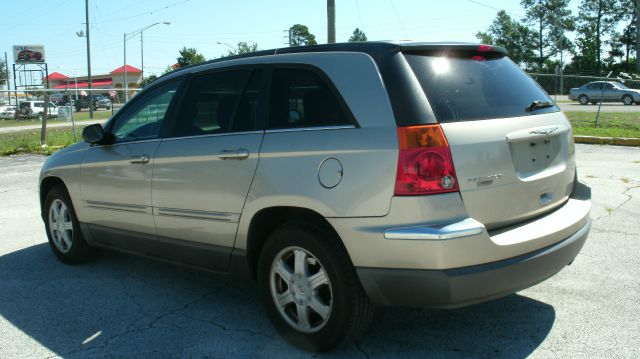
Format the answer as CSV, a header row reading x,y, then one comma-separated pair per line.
x,y
122,306
49,125
606,107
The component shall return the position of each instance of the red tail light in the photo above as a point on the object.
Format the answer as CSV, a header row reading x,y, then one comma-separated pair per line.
x,y
424,163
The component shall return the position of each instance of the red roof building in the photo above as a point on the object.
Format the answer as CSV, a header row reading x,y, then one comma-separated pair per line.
x,y
112,80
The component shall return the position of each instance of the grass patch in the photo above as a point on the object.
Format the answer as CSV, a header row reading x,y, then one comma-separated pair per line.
x,y
77,116
610,124
29,141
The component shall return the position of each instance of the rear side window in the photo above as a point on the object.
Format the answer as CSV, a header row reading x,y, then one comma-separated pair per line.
x,y
476,88
301,98
209,104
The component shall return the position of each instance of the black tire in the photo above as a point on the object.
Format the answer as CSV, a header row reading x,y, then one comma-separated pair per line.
x,y
350,309
583,99
39,117
627,100
78,251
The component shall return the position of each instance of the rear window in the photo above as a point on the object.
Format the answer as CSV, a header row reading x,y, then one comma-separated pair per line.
x,y
479,88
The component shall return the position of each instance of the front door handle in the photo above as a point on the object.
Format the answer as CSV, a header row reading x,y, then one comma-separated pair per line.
x,y
239,154
139,159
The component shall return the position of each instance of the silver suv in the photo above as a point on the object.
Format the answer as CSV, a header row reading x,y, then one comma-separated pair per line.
x,y
338,177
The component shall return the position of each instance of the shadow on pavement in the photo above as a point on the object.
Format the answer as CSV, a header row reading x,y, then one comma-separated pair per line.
x,y
128,306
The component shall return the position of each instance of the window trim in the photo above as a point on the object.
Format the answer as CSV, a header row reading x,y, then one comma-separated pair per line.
x,y
351,120
167,133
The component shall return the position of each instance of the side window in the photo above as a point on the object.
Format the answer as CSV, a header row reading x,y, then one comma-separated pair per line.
x,y
608,86
144,119
210,102
301,98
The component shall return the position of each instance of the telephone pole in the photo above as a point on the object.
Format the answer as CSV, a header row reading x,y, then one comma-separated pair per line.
x,y
637,35
86,3
331,21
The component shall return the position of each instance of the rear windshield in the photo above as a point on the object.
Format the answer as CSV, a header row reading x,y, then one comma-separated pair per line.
x,y
468,89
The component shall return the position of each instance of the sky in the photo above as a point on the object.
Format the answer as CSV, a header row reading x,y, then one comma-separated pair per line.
x,y
205,23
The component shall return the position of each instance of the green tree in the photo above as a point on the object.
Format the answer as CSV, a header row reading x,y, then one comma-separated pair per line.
x,y
299,35
358,36
189,56
628,36
550,20
3,72
597,19
243,48
147,80
516,37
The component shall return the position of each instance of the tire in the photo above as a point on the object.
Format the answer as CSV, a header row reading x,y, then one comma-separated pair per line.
x,y
39,117
583,99
627,100
63,229
338,294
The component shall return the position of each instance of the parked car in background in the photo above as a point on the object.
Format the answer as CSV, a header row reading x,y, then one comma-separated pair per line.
x,y
605,91
7,112
99,101
338,177
34,110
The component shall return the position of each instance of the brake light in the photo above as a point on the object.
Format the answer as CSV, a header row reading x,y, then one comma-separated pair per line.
x,y
485,48
425,165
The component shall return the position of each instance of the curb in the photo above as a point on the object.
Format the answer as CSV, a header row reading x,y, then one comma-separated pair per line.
x,y
616,141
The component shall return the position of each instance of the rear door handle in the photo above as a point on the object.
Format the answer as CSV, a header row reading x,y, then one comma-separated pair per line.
x,y
139,159
239,154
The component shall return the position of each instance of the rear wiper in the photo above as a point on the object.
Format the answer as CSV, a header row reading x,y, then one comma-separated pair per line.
x,y
537,104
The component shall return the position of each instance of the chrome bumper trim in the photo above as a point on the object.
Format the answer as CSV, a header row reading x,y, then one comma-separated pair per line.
x,y
465,228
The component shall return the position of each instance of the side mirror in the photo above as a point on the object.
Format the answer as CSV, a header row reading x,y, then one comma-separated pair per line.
x,y
94,133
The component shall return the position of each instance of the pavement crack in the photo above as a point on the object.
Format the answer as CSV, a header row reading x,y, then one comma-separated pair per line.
x,y
224,327
613,210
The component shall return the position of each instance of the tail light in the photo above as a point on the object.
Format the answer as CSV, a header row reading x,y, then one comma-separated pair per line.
x,y
425,165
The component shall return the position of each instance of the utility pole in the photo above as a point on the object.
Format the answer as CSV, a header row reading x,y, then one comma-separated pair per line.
x,y
6,64
637,35
86,3
331,21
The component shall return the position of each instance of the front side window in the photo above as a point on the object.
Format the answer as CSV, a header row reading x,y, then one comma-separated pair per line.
x,y
144,119
300,98
210,102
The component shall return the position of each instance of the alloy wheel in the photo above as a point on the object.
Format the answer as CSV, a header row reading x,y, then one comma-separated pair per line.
x,y
301,289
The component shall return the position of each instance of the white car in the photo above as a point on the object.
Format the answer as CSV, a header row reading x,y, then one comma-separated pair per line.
x,y
7,112
35,109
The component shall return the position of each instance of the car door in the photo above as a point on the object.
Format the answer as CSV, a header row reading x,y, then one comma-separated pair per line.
x,y
116,177
205,165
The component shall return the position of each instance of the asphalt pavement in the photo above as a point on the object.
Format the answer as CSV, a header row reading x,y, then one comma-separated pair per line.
x,y
125,306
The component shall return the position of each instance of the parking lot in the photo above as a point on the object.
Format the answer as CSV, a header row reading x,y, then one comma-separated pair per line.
x,y
122,306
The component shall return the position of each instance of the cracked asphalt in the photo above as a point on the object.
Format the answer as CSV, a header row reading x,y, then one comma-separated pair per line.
x,y
123,306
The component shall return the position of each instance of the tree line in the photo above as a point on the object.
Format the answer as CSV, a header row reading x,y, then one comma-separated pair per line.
x,y
604,40
299,35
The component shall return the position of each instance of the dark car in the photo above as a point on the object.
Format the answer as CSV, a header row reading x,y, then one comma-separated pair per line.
x,y
99,101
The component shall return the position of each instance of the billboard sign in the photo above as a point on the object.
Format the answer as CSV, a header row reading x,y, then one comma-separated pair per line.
x,y
28,54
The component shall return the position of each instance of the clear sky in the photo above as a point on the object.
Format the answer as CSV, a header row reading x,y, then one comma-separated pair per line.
x,y
203,23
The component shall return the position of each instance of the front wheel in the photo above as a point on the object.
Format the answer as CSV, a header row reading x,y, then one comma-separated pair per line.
x,y
627,100
583,99
63,229
310,289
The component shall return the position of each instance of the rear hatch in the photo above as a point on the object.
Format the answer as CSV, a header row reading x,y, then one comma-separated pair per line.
x,y
512,148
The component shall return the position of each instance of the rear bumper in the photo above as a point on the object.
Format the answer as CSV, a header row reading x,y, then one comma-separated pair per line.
x,y
449,288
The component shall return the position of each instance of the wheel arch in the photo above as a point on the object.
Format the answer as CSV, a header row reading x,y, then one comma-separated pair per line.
x,y
46,184
267,220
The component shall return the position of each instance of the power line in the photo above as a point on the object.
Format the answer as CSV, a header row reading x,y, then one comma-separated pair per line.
x,y
398,18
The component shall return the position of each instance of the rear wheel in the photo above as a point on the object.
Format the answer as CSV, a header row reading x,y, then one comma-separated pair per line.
x,y
63,229
310,289
627,100
583,99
